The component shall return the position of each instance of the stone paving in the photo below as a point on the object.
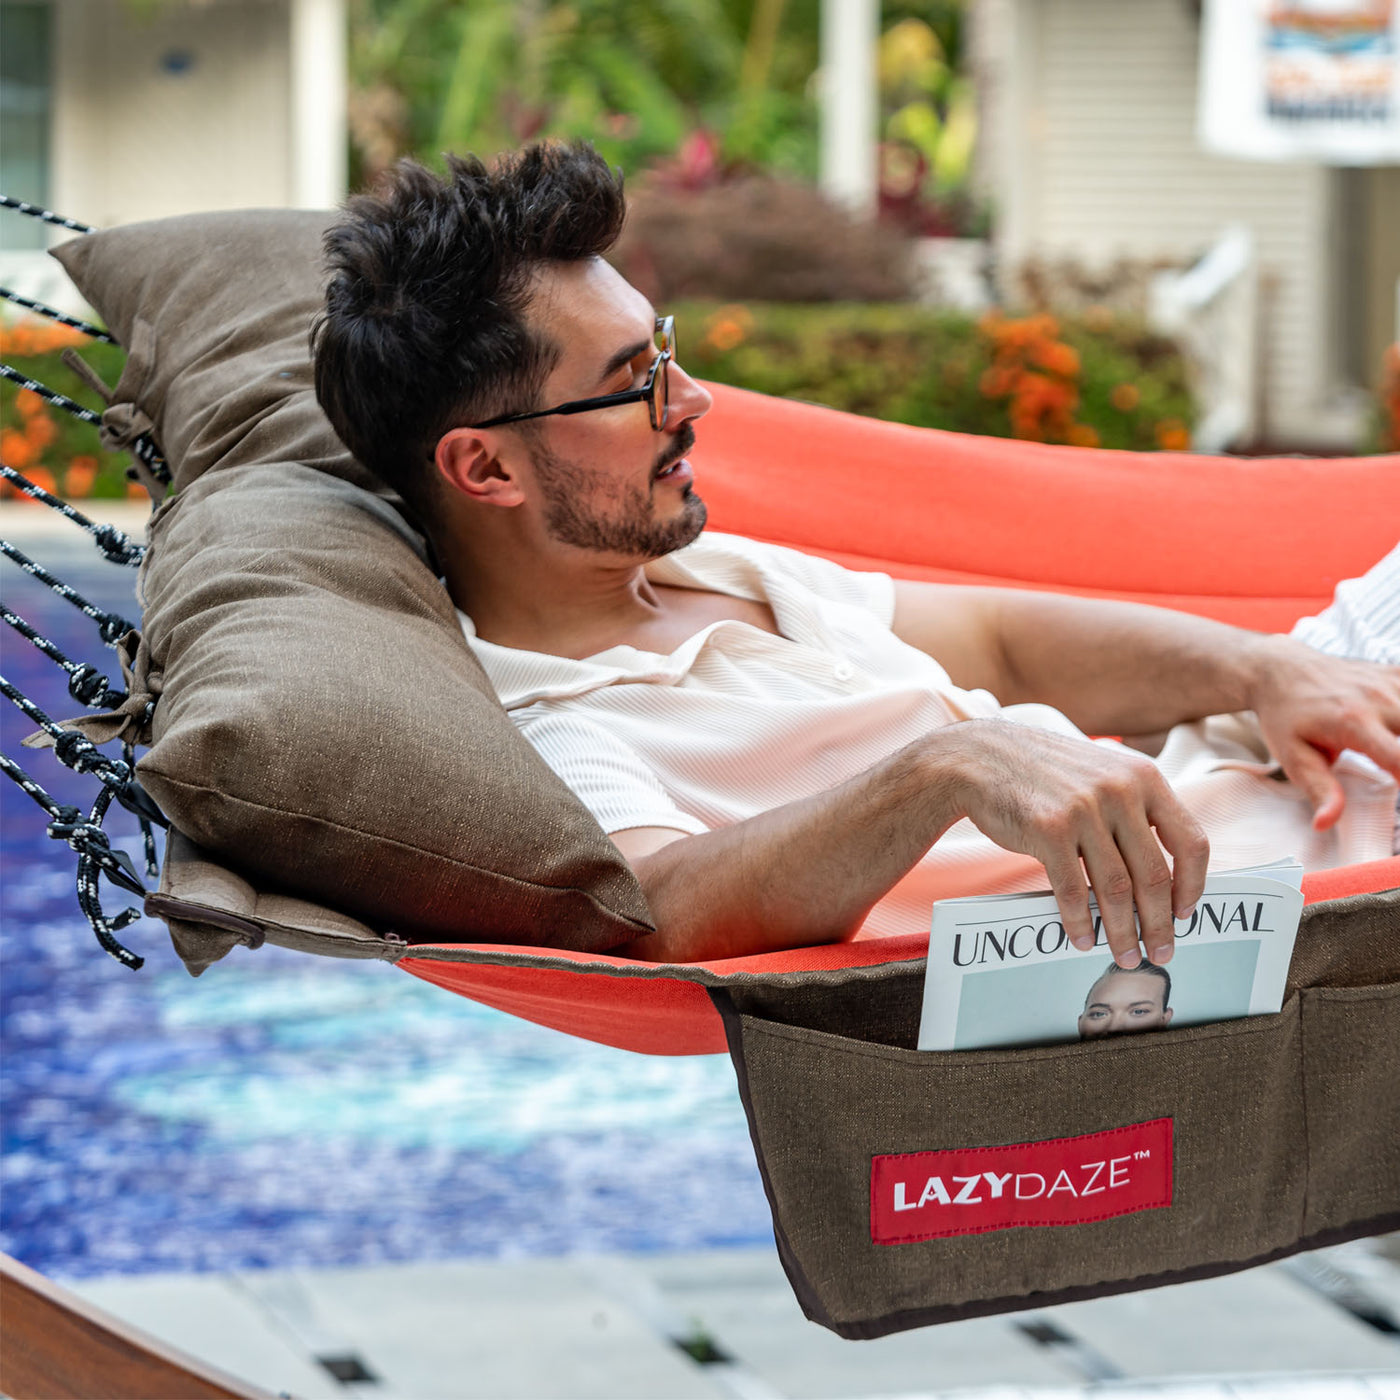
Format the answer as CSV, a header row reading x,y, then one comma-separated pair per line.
x,y
724,1324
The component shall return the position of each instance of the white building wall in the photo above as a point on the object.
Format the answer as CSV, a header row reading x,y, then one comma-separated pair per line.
x,y
182,108
1093,135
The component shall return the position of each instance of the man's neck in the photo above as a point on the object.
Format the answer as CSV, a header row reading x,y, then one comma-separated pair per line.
x,y
566,607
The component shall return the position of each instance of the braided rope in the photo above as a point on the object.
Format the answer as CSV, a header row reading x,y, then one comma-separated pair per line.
x,y
142,446
116,546
148,835
75,750
52,396
47,215
111,627
95,857
86,683
62,317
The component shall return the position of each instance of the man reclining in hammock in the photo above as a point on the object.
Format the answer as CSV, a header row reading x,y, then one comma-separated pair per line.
x,y
785,750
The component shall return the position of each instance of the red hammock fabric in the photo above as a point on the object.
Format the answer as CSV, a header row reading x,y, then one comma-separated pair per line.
x,y
1255,542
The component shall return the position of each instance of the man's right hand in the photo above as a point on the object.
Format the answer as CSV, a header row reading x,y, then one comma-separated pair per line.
x,y
1082,808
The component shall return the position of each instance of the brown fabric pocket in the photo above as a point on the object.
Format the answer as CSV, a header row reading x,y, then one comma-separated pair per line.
x,y
1351,1085
826,1110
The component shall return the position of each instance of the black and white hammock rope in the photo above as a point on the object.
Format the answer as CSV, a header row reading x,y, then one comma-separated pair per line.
x,y
88,684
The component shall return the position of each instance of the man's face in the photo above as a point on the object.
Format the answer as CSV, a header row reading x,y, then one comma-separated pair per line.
x,y
1121,1003
606,480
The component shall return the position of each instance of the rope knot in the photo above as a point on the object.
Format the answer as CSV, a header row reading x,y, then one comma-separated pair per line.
x,y
88,686
117,547
112,629
66,823
77,752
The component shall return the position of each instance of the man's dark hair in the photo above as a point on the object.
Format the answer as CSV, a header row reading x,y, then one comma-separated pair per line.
x,y
424,326
1143,966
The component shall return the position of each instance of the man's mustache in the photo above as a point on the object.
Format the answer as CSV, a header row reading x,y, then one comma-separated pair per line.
x,y
685,440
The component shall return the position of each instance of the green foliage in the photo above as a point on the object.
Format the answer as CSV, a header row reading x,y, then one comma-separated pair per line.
x,y
930,368
429,76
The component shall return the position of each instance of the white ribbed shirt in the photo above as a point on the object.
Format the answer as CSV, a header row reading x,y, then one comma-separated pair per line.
x,y
736,721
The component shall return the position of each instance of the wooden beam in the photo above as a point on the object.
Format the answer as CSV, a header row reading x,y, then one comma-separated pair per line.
x,y
55,1346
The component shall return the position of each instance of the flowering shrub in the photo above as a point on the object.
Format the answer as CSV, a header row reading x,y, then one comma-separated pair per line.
x,y
51,447
1092,382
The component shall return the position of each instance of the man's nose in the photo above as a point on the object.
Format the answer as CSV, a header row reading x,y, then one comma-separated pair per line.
x,y
688,398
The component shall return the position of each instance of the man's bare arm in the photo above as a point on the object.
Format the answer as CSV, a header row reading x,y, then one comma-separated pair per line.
x,y
1111,667
809,871
1122,668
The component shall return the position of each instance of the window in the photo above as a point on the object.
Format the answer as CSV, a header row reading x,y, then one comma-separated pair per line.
x,y
25,96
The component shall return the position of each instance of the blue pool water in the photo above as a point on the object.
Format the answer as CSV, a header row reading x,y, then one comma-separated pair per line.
x,y
285,1110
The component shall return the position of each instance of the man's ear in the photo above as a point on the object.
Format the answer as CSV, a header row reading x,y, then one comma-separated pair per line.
x,y
1167,1016
468,459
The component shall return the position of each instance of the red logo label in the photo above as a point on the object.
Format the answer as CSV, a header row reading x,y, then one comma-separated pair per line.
x,y
1061,1181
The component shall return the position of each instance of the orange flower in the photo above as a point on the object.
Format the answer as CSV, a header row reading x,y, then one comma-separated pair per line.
x,y
42,478
728,327
40,430
1125,397
1172,435
725,334
28,403
136,491
1057,357
997,382
78,479
35,335
1083,435
16,450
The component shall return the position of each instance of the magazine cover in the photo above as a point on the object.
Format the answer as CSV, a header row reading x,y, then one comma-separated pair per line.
x,y
1002,972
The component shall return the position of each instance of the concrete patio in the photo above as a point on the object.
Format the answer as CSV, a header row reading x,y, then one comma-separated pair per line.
x,y
724,1324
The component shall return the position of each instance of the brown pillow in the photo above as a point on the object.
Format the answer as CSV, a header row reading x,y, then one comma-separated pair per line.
x,y
321,724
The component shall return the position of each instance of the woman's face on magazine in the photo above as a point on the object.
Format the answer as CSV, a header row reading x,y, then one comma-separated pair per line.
x,y
1122,1003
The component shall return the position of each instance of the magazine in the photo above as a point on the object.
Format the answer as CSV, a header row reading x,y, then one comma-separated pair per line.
x,y
1002,972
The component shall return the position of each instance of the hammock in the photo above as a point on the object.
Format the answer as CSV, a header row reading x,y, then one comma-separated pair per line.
x,y
1280,1132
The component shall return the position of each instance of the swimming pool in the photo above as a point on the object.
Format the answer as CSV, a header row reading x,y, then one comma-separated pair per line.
x,y
285,1110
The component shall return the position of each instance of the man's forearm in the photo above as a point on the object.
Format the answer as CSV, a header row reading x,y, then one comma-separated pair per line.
x,y
1121,668
807,872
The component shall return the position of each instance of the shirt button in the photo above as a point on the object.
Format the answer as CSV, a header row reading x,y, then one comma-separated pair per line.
x,y
844,670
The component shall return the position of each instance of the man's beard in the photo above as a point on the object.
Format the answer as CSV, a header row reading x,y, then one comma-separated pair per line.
x,y
592,510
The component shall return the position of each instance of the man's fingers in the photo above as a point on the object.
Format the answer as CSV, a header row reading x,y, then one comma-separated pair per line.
x,y
1113,888
1071,891
1152,893
1311,771
1381,746
1186,840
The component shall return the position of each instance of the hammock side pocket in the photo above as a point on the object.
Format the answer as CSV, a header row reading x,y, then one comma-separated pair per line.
x,y
910,1188
1351,1065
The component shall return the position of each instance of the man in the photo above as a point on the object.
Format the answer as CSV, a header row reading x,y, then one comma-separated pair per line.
x,y
1125,1000
780,747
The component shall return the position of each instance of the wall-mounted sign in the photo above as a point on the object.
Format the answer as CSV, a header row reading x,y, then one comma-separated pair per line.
x,y
1301,80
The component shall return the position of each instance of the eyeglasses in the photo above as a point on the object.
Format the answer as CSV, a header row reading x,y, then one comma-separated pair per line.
x,y
654,393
